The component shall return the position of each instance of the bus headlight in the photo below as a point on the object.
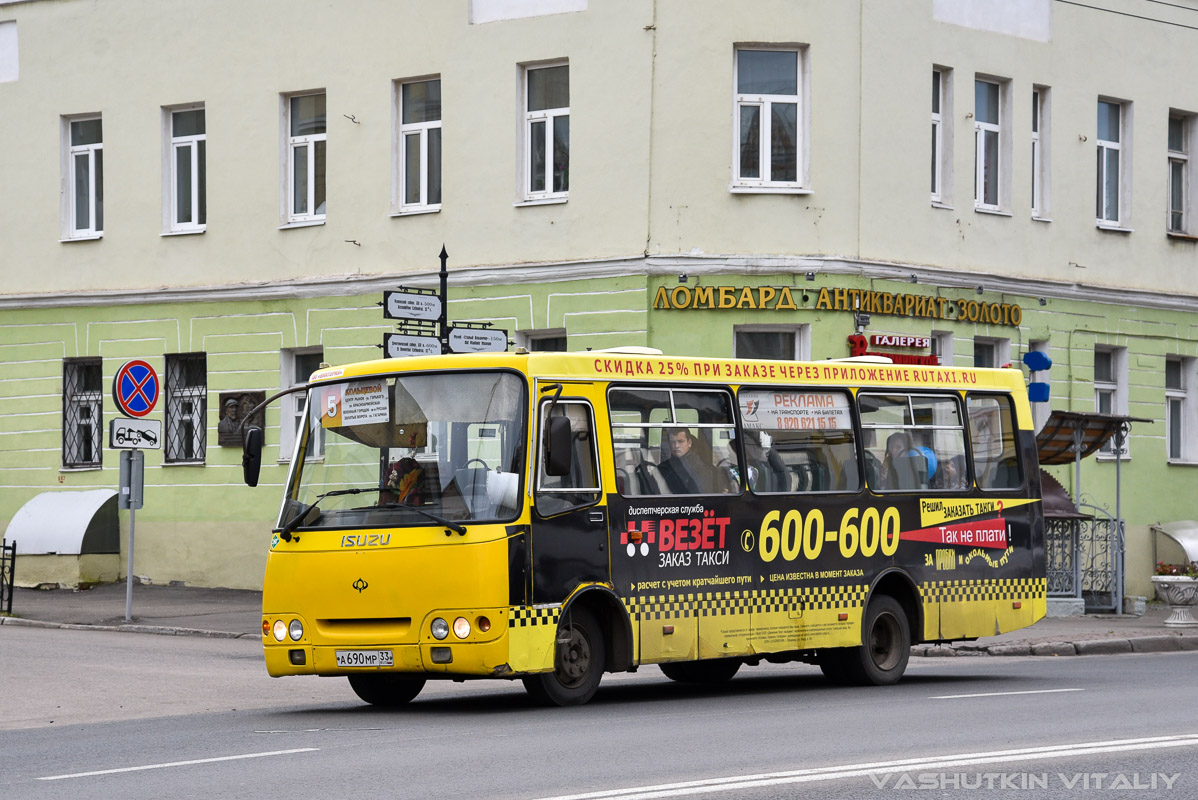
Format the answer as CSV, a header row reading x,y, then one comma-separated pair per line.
x,y
461,627
295,630
440,628
280,630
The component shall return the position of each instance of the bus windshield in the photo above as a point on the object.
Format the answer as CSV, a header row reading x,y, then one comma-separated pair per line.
x,y
407,450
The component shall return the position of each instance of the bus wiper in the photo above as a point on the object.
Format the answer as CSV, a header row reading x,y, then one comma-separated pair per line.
x,y
453,526
293,523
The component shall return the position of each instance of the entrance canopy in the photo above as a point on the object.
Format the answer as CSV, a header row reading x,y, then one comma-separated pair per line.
x,y
1184,532
67,523
1056,441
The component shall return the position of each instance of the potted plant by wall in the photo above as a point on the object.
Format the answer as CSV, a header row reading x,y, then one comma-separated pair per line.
x,y
1177,585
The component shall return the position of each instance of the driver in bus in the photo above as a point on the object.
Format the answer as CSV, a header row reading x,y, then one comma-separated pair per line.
x,y
685,471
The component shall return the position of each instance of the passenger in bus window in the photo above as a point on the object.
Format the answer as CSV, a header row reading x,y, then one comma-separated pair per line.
x,y
685,471
951,474
897,446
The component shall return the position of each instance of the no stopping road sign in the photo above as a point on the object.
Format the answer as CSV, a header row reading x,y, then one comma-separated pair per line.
x,y
135,388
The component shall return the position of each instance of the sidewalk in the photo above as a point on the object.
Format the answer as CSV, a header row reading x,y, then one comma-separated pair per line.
x,y
236,613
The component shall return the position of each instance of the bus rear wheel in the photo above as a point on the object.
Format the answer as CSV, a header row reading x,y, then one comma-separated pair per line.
x,y
385,689
717,671
882,657
577,664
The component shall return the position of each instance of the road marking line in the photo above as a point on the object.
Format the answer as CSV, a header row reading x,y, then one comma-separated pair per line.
x,y
741,782
178,764
1000,694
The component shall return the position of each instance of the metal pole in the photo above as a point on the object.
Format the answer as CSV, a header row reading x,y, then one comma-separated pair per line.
x,y
1077,464
129,570
443,321
1118,588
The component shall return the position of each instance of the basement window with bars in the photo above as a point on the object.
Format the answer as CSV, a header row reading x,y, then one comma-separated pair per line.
x,y
186,404
82,426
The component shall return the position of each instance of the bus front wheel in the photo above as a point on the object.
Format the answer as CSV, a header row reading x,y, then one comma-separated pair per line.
x,y
386,690
577,664
882,657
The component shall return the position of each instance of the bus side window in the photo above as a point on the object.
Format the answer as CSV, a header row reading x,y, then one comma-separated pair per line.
x,y
579,487
798,440
992,440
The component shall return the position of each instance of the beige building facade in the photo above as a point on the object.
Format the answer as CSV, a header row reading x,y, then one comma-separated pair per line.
x,y
225,190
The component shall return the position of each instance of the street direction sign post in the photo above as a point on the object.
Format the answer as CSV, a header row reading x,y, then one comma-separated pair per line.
x,y
477,340
411,305
400,345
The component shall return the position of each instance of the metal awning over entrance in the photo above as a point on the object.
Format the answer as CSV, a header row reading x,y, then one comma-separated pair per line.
x,y
1085,550
67,523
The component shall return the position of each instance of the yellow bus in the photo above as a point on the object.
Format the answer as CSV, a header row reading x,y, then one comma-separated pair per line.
x,y
554,516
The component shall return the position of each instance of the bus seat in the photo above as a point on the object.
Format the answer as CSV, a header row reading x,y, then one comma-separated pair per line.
x,y
910,471
472,483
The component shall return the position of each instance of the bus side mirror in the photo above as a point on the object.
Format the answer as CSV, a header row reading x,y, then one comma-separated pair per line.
x,y
251,455
558,441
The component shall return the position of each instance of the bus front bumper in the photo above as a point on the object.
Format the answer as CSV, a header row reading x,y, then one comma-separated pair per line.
x,y
436,659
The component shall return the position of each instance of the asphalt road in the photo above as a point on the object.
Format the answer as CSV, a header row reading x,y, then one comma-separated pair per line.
x,y
87,713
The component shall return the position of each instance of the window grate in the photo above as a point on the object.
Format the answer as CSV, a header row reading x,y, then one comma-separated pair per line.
x,y
186,406
82,423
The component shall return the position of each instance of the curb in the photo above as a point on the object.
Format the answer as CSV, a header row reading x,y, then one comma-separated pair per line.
x,y
1164,643
162,630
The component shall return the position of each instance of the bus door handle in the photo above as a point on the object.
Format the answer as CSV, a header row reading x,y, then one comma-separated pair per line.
x,y
597,516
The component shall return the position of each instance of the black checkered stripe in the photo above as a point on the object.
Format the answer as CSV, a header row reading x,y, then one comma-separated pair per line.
x,y
983,590
530,617
717,604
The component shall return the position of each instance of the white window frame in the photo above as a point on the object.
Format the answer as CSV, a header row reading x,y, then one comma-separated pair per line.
x,y
171,144
1001,130
1189,186
290,145
942,347
942,133
1002,350
528,338
399,203
550,117
1124,149
1041,152
291,409
764,102
1183,397
801,333
1115,388
70,151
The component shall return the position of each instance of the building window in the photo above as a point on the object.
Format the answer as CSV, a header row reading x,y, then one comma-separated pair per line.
x,y
942,347
1040,152
547,132
1110,380
82,425
991,353
989,123
1112,168
418,156
186,403
942,135
1180,183
85,177
305,180
296,366
1181,409
187,193
789,343
769,119
542,341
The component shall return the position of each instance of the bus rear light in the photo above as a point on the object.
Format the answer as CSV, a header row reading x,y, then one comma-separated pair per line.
x,y
461,627
484,624
280,630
